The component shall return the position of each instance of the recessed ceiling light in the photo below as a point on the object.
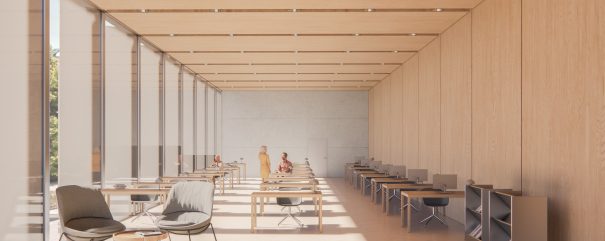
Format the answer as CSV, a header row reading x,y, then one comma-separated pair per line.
x,y
295,35
396,51
438,9
413,34
171,35
294,10
356,34
191,52
348,51
143,10
231,35
216,10
370,9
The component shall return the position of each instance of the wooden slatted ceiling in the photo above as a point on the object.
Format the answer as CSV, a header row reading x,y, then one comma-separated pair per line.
x,y
290,43
279,44
285,4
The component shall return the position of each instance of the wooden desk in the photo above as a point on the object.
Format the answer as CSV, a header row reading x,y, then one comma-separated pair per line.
x,y
196,177
223,170
422,194
349,172
144,184
386,187
311,185
288,179
108,192
364,176
356,174
242,166
375,185
220,175
276,194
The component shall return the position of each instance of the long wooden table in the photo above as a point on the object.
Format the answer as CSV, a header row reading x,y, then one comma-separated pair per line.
x,y
358,173
310,184
288,179
363,178
196,177
351,172
375,185
108,192
386,187
223,171
241,165
422,194
277,194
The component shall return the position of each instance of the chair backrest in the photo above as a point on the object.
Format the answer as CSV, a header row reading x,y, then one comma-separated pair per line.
x,y
190,197
289,201
81,202
435,202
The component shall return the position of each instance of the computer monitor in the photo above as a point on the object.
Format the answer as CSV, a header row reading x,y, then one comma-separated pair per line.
x,y
398,171
445,181
418,175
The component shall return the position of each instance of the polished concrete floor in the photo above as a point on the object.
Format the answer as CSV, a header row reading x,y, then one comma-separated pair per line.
x,y
347,216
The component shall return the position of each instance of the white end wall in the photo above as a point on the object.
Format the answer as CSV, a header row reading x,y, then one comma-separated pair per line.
x,y
328,127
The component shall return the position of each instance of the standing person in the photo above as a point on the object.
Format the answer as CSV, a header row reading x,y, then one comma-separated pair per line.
x,y
285,166
265,163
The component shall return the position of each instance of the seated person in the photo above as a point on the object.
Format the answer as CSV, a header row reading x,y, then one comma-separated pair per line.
x,y
217,161
285,166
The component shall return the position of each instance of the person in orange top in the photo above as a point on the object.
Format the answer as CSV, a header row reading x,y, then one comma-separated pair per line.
x,y
265,163
285,166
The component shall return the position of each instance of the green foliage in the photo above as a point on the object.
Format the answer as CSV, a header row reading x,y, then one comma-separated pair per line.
x,y
54,113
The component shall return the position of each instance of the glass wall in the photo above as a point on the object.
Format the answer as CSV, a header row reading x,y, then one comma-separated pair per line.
x,y
211,119
219,123
23,125
201,124
150,119
121,130
187,86
171,119
79,123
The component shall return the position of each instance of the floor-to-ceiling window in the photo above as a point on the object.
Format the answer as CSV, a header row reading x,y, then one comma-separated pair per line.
x,y
171,119
150,109
187,88
121,161
23,100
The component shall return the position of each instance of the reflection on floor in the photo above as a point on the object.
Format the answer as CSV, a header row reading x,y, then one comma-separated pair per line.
x,y
347,216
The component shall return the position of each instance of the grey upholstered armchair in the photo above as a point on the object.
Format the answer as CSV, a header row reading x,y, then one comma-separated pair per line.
x,y
188,209
84,215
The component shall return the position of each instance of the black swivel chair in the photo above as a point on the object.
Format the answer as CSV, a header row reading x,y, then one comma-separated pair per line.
x,y
434,204
289,203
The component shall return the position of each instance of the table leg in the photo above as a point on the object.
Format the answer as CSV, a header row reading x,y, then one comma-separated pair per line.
x,y
321,226
409,223
245,173
315,204
232,179
253,221
383,202
262,206
222,184
402,212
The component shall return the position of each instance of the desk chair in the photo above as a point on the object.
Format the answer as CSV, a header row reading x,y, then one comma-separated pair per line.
x,y
434,204
84,215
289,202
138,204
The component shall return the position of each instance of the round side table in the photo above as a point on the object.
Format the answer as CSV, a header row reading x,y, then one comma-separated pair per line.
x,y
132,236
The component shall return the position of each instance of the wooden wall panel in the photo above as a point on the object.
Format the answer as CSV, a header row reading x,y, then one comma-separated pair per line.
x,y
456,106
371,123
564,114
396,117
410,112
386,122
378,126
496,94
429,108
